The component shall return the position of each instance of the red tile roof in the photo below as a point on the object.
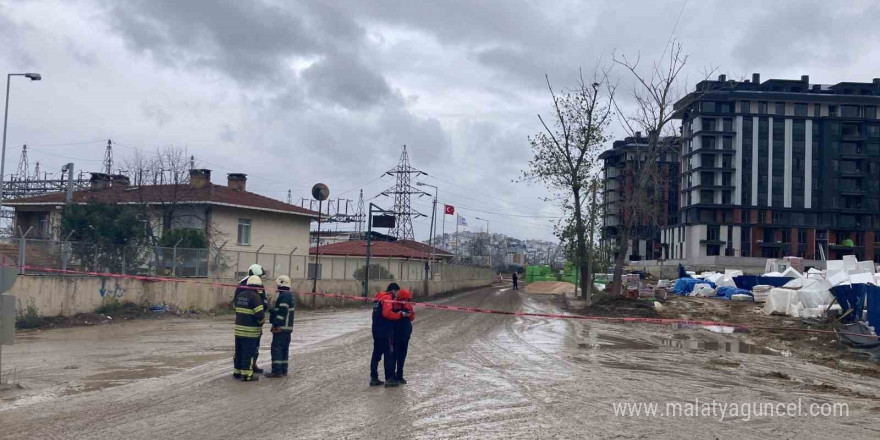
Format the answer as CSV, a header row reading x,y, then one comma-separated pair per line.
x,y
422,247
163,194
358,248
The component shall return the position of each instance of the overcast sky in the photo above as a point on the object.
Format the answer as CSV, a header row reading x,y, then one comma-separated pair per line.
x,y
294,93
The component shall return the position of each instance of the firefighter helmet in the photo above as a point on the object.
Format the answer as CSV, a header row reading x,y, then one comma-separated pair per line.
x,y
256,269
254,280
283,281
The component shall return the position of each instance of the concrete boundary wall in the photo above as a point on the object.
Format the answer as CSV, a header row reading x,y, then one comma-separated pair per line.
x,y
69,295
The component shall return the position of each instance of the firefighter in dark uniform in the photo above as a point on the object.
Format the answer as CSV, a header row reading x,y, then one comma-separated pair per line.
x,y
256,269
281,318
249,318
383,335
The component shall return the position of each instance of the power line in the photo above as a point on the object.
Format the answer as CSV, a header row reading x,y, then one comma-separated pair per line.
x,y
66,157
68,144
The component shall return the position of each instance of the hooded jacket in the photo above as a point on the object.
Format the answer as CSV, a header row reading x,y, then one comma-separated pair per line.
x,y
383,314
403,327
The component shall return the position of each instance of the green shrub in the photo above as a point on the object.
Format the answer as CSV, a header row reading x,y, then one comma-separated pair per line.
x,y
109,307
377,272
28,317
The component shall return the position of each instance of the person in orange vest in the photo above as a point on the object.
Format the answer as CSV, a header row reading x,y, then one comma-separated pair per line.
x,y
402,332
383,336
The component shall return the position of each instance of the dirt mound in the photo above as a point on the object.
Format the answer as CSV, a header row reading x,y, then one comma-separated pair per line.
x,y
550,288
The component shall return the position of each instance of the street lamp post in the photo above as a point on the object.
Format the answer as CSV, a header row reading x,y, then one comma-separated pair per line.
x,y
433,224
490,239
32,77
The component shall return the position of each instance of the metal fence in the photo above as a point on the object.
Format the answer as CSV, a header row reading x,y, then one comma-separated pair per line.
x,y
48,257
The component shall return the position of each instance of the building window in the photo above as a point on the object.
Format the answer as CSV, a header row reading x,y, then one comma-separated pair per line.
x,y
832,111
244,231
725,197
850,129
849,111
707,178
745,107
713,232
707,106
727,143
800,109
817,110
780,108
727,124
708,142
762,108
707,196
708,124
871,112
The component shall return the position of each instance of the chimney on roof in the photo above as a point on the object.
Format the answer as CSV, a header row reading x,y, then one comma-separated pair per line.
x,y
756,78
120,180
237,181
199,178
99,181
722,78
638,134
805,79
817,87
876,81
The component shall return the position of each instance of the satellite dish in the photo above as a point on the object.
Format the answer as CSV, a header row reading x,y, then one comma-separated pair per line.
x,y
320,192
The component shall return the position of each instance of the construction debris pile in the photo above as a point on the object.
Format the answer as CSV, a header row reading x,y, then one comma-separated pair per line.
x,y
847,291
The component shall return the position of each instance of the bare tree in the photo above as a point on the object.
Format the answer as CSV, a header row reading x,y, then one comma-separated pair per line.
x,y
164,174
565,155
655,94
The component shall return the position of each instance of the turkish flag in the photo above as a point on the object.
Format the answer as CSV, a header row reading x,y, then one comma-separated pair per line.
x,y
448,209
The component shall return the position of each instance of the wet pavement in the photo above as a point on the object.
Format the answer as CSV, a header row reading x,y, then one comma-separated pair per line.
x,y
470,376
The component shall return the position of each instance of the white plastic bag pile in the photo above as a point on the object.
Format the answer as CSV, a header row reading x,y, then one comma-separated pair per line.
x,y
703,290
722,279
800,298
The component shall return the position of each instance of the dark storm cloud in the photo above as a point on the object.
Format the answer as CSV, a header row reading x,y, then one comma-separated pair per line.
x,y
249,41
344,80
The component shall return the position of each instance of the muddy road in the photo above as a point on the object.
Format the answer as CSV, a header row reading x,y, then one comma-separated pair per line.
x,y
470,376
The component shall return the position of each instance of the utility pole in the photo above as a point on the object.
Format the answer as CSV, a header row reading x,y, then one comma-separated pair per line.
x,y
68,199
433,224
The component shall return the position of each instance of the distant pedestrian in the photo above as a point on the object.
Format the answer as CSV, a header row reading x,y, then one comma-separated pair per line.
x,y
402,332
249,318
383,335
515,282
281,318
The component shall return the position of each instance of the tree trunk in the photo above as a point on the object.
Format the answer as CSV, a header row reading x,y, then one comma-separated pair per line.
x,y
591,246
617,284
581,243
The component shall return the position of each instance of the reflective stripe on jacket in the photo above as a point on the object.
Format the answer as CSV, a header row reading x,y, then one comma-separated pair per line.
x,y
250,313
